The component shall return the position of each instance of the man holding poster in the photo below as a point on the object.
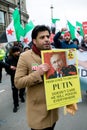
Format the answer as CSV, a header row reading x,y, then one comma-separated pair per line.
x,y
29,74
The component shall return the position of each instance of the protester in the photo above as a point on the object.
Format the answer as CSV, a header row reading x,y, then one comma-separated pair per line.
x,y
12,61
9,45
66,42
29,73
18,44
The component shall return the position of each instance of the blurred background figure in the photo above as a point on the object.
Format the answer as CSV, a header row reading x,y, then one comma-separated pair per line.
x,y
53,30
19,44
84,43
76,41
26,47
12,61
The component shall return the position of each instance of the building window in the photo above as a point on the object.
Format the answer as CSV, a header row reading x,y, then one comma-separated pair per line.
x,y
2,21
2,17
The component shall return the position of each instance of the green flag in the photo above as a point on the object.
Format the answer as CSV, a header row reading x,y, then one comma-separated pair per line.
x,y
27,32
79,28
15,31
17,25
72,30
54,20
16,15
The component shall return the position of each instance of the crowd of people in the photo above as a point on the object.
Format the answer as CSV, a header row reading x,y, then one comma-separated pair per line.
x,y
19,63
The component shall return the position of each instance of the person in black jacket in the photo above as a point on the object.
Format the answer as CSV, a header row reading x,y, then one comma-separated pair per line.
x,y
6,66
12,60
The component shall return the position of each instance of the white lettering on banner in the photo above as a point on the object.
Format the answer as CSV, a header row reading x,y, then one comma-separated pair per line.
x,y
82,56
83,73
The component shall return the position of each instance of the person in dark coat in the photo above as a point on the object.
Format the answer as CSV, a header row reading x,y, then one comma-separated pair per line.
x,y
12,60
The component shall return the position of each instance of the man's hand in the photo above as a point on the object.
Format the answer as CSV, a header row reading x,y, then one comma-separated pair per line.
x,y
81,50
64,29
43,68
71,109
12,67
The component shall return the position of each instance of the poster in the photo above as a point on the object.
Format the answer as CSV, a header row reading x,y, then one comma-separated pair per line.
x,y
62,84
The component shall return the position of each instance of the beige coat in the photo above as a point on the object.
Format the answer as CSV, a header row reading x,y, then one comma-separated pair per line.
x,y
26,76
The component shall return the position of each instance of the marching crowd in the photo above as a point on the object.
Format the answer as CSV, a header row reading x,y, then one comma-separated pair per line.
x,y
18,62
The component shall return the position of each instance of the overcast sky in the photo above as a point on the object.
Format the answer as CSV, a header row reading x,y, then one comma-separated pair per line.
x,y
72,10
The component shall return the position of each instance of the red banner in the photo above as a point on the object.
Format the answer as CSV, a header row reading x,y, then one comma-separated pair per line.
x,y
84,24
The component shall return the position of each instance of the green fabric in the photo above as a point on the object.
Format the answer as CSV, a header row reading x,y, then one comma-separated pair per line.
x,y
72,30
78,24
54,20
17,25
28,27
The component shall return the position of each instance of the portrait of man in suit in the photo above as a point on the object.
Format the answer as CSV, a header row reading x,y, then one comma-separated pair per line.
x,y
60,67
57,64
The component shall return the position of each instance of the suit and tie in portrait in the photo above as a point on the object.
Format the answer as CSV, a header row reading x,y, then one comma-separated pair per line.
x,y
60,69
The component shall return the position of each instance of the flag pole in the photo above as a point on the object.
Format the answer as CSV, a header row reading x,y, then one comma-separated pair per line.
x,y
53,27
19,4
51,11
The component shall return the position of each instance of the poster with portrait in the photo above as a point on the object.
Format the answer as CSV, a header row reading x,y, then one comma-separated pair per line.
x,y
62,83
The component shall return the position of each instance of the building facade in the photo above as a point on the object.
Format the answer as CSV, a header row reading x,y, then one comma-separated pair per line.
x,y
6,9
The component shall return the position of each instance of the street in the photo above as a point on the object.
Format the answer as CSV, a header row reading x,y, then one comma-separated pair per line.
x,y
17,121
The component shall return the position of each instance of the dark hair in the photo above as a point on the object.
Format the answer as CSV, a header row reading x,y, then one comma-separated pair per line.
x,y
39,28
13,50
75,39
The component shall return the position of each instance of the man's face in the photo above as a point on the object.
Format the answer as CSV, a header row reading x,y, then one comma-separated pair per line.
x,y
67,37
42,41
56,62
16,54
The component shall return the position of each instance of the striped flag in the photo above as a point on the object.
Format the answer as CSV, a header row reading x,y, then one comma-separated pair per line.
x,y
27,32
